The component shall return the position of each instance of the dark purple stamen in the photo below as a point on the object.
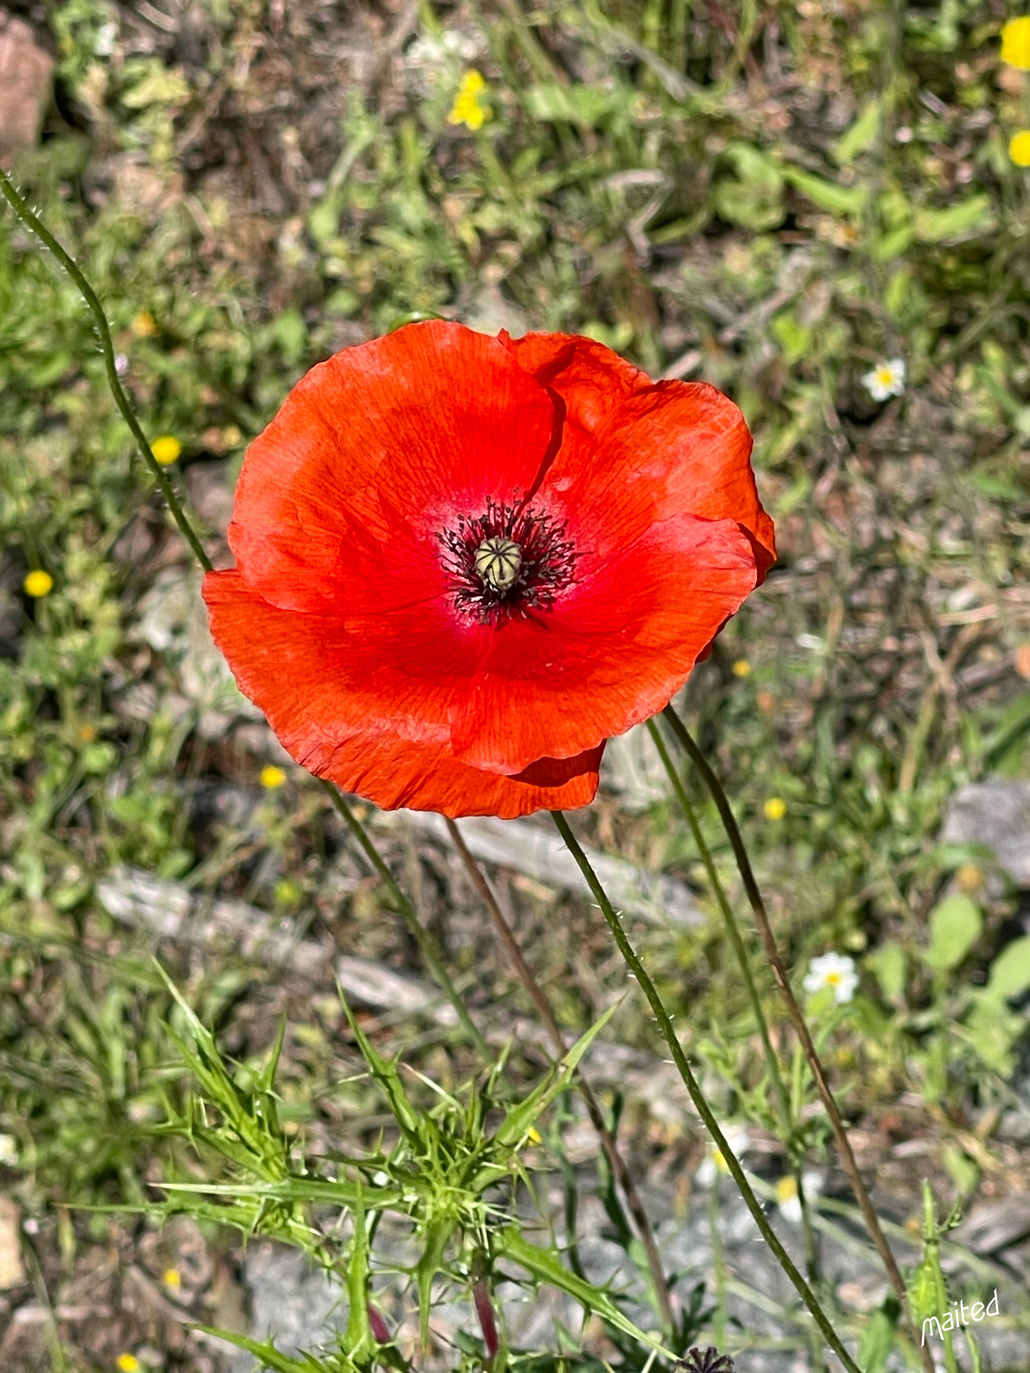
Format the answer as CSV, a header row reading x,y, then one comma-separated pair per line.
x,y
547,562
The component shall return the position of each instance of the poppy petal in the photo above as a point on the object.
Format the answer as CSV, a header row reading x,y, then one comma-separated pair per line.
x,y
685,440
612,651
290,666
433,418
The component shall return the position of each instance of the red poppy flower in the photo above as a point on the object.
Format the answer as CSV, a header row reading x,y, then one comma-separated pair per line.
x,y
464,562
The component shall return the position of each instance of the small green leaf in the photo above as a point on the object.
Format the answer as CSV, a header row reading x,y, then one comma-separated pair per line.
x,y
574,104
1010,971
861,135
839,200
955,925
548,1268
887,965
970,219
891,245
754,196
794,339
877,1343
517,1123
158,85
962,1170
263,1350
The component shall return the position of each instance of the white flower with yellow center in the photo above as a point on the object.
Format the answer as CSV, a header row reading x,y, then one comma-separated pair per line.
x,y
788,1199
886,379
713,1165
834,970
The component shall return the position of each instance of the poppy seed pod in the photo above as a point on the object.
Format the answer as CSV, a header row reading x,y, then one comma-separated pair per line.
x,y
464,562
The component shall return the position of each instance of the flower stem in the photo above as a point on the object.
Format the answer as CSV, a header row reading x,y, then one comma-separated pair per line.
x,y
779,1087
33,222
618,1164
697,1097
844,1149
407,913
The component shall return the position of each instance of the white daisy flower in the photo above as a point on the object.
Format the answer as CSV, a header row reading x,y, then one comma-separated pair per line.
x,y
886,379
713,1165
834,970
787,1198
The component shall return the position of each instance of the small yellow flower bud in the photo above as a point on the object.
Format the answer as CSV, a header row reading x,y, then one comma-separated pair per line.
x,y
127,1363
467,108
775,808
1015,43
970,878
38,583
742,668
166,449
272,777
1019,148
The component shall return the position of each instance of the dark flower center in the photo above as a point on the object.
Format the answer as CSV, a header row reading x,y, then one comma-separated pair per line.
x,y
507,562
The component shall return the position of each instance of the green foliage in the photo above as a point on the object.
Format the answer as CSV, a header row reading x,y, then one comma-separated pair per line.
x,y
627,185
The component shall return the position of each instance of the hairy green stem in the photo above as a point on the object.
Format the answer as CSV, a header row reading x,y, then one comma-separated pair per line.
x,y
33,222
754,895
407,912
543,1008
697,1097
779,1087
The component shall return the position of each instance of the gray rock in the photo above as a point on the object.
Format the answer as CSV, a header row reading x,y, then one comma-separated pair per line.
x,y
632,769
541,854
292,1303
995,813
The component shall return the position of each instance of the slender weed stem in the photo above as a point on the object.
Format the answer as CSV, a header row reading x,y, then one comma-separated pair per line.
x,y
783,1110
697,1097
754,895
414,926
33,222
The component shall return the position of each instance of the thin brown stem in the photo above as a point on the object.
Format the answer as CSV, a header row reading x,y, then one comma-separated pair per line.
x,y
618,1164
840,1135
409,915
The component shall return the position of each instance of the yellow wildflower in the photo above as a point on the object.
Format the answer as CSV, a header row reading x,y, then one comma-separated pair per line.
x,y
742,668
172,1279
143,325
272,777
1019,148
127,1363
166,449
775,808
970,878
467,108
1015,43
38,583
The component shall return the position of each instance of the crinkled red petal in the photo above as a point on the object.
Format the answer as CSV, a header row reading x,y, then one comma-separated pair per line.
x,y
295,667
684,445
430,422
